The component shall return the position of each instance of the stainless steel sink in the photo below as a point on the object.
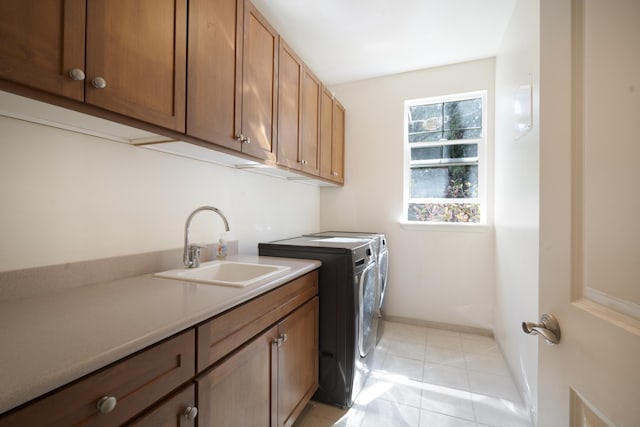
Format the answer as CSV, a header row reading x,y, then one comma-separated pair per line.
x,y
225,273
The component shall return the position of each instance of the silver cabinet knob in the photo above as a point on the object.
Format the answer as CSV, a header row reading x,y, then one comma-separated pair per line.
x,y
334,173
304,162
190,413
99,82
243,139
107,404
76,74
280,340
548,327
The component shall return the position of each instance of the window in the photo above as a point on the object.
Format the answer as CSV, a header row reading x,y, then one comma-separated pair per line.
x,y
444,159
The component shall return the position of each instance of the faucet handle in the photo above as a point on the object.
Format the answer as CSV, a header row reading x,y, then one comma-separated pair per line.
x,y
193,253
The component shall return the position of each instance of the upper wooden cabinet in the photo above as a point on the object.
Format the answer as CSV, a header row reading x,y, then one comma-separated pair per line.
x,y
135,59
326,132
337,143
298,113
289,107
309,145
214,71
247,90
138,49
41,43
259,85
331,138
232,74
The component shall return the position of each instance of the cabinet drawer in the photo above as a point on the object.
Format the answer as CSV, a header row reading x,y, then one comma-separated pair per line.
x,y
221,335
135,382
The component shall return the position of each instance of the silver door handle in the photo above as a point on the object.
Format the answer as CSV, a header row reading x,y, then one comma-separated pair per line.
x,y
548,327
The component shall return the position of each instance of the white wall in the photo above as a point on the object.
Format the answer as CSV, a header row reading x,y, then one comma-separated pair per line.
x,y
517,199
71,197
434,275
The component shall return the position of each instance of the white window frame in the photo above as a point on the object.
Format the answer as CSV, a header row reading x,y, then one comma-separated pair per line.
x,y
482,165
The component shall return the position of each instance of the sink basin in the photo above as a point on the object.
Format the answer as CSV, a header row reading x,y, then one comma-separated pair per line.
x,y
225,273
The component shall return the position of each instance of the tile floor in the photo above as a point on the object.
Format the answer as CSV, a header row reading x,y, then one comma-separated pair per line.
x,y
425,377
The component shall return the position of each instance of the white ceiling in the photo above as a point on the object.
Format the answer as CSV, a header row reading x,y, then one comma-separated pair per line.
x,y
347,40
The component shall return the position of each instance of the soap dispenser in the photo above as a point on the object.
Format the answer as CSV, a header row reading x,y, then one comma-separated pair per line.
x,y
222,248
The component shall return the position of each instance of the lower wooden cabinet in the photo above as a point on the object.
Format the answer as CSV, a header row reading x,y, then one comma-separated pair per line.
x,y
268,381
225,333
297,375
116,394
257,365
238,391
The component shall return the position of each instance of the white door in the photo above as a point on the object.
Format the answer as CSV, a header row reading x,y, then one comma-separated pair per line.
x,y
590,212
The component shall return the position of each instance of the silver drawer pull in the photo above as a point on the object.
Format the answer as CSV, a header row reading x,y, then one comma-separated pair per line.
x,y
76,74
99,82
107,404
190,413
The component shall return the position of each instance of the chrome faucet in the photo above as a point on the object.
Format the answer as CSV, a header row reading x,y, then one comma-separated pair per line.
x,y
191,255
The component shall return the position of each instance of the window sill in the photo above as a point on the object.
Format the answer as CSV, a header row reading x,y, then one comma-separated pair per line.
x,y
443,226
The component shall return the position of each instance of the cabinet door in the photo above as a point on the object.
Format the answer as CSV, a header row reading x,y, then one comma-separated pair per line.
x,y
42,41
297,361
260,85
326,133
289,96
139,49
309,154
240,391
214,71
174,412
337,146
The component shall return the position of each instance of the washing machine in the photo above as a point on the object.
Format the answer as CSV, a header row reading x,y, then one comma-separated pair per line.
x,y
382,260
348,318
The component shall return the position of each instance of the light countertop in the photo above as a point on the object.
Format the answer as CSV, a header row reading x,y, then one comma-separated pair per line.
x,y
49,340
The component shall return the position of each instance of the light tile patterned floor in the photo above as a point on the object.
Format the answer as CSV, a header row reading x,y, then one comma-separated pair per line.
x,y
425,377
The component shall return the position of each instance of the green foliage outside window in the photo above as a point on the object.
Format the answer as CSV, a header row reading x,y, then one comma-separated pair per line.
x,y
442,169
